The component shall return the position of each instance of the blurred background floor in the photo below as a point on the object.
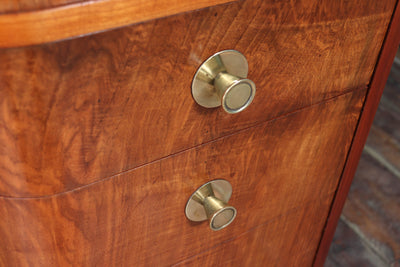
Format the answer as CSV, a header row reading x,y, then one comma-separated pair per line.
x,y
368,233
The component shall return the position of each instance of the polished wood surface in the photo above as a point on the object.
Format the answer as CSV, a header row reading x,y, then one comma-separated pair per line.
x,y
137,218
367,233
86,17
78,19
264,246
19,6
79,111
378,82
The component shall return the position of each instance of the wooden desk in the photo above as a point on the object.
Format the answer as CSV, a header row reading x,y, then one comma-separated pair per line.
x,y
102,143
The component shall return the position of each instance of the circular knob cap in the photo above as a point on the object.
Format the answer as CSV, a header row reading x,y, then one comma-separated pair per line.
x,y
222,80
210,202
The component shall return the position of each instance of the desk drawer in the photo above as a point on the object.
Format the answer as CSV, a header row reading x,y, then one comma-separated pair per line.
x,y
264,245
277,170
79,111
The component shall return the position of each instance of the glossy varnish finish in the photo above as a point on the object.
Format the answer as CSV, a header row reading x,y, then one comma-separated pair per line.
x,y
372,208
15,7
137,218
79,111
378,81
72,18
264,246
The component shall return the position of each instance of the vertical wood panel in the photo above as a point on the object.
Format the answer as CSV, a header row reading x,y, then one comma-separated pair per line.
x,y
382,71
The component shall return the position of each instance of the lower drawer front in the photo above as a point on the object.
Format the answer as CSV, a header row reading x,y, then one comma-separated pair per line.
x,y
264,246
278,170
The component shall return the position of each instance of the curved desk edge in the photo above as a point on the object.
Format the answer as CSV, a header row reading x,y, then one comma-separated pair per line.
x,y
49,25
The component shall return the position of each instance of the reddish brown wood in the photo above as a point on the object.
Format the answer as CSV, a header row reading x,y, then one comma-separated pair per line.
x,y
277,170
367,233
264,246
371,104
372,208
19,6
79,111
84,17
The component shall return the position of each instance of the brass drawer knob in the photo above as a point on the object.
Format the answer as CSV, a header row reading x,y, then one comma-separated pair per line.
x,y
210,202
222,80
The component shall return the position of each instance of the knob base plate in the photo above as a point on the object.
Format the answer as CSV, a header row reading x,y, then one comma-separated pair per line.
x,y
227,61
195,211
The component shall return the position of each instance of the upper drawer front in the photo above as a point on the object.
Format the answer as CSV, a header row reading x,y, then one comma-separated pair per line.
x,y
78,111
278,171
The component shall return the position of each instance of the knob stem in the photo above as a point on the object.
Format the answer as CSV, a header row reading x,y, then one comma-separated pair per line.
x,y
219,213
210,202
221,80
235,93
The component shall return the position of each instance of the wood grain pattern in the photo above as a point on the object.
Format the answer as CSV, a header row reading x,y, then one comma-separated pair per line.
x,y
368,230
93,16
19,6
135,218
87,17
378,82
264,246
76,112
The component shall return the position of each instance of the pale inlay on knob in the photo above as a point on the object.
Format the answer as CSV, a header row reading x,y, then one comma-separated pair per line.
x,y
210,202
222,80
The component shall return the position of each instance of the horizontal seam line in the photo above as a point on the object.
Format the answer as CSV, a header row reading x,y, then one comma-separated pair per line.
x,y
187,149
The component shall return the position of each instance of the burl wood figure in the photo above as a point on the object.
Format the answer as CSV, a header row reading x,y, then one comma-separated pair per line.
x,y
102,143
